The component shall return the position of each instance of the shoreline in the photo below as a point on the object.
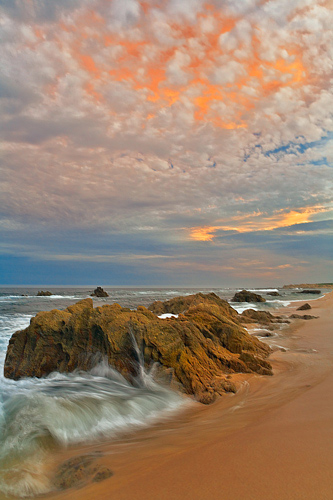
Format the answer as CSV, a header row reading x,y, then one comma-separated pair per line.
x,y
270,440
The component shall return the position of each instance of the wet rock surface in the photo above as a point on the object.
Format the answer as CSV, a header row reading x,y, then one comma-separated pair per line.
x,y
314,292
304,307
304,316
43,293
79,471
195,351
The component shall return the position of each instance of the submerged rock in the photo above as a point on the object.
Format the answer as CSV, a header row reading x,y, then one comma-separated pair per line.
x,y
195,351
99,292
304,307
274,294
246,296
314,292
79,471
44,294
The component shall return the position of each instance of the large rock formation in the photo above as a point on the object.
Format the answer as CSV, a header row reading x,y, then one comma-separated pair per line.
x,y
246,296
197,351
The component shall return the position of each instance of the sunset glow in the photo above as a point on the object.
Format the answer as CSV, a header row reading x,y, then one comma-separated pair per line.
x,y
152,127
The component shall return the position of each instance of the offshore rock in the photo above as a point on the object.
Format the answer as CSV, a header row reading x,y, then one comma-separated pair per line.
x,y
44,294
195,352
246,296
314,292
99,292
274,294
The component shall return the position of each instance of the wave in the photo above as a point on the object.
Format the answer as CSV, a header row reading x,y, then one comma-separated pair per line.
x,y
66,409
243,306
6,298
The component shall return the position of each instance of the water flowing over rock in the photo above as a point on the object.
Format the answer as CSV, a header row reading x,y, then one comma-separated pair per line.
x,y
246,296
196,352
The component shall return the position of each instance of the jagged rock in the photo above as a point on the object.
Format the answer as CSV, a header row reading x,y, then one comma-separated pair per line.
x,y
315,292
44,294
253,316
246,296
304,316
179,305
99,292
198,349
304,307
274,294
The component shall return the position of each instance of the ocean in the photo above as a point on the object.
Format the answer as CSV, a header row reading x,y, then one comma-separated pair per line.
x,y
38,415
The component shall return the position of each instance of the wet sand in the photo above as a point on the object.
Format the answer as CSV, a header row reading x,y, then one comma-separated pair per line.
x,y
272,440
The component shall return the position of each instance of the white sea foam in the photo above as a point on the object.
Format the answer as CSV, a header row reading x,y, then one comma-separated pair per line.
x,y
64,409
168,315
243,306
8,298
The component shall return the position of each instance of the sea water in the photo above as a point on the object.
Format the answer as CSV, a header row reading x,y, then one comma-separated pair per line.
x,y
38,415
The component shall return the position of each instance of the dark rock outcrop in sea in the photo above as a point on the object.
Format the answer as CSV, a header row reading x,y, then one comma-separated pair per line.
x,y
274,294
314,292
246,296
99,292
304,307
44,294
196,352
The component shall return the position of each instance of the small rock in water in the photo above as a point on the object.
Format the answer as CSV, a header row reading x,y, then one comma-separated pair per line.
x,y
304,307
78,471
305,316
99,292
274,294
103,473
316,292
44,294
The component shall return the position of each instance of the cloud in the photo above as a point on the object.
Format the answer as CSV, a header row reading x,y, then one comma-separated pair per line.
x,y
179,116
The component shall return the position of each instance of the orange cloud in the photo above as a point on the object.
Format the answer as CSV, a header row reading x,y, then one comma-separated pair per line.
x,y
142,63
257,222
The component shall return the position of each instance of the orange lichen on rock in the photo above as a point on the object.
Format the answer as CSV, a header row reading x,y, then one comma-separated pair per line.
x,y
195,351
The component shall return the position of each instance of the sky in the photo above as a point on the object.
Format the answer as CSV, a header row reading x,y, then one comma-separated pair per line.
x,y
166,142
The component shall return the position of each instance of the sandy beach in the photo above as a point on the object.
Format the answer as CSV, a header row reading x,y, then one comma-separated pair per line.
x,y
273,439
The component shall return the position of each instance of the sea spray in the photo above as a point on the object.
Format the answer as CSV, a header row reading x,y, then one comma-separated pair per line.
x,y
65,409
